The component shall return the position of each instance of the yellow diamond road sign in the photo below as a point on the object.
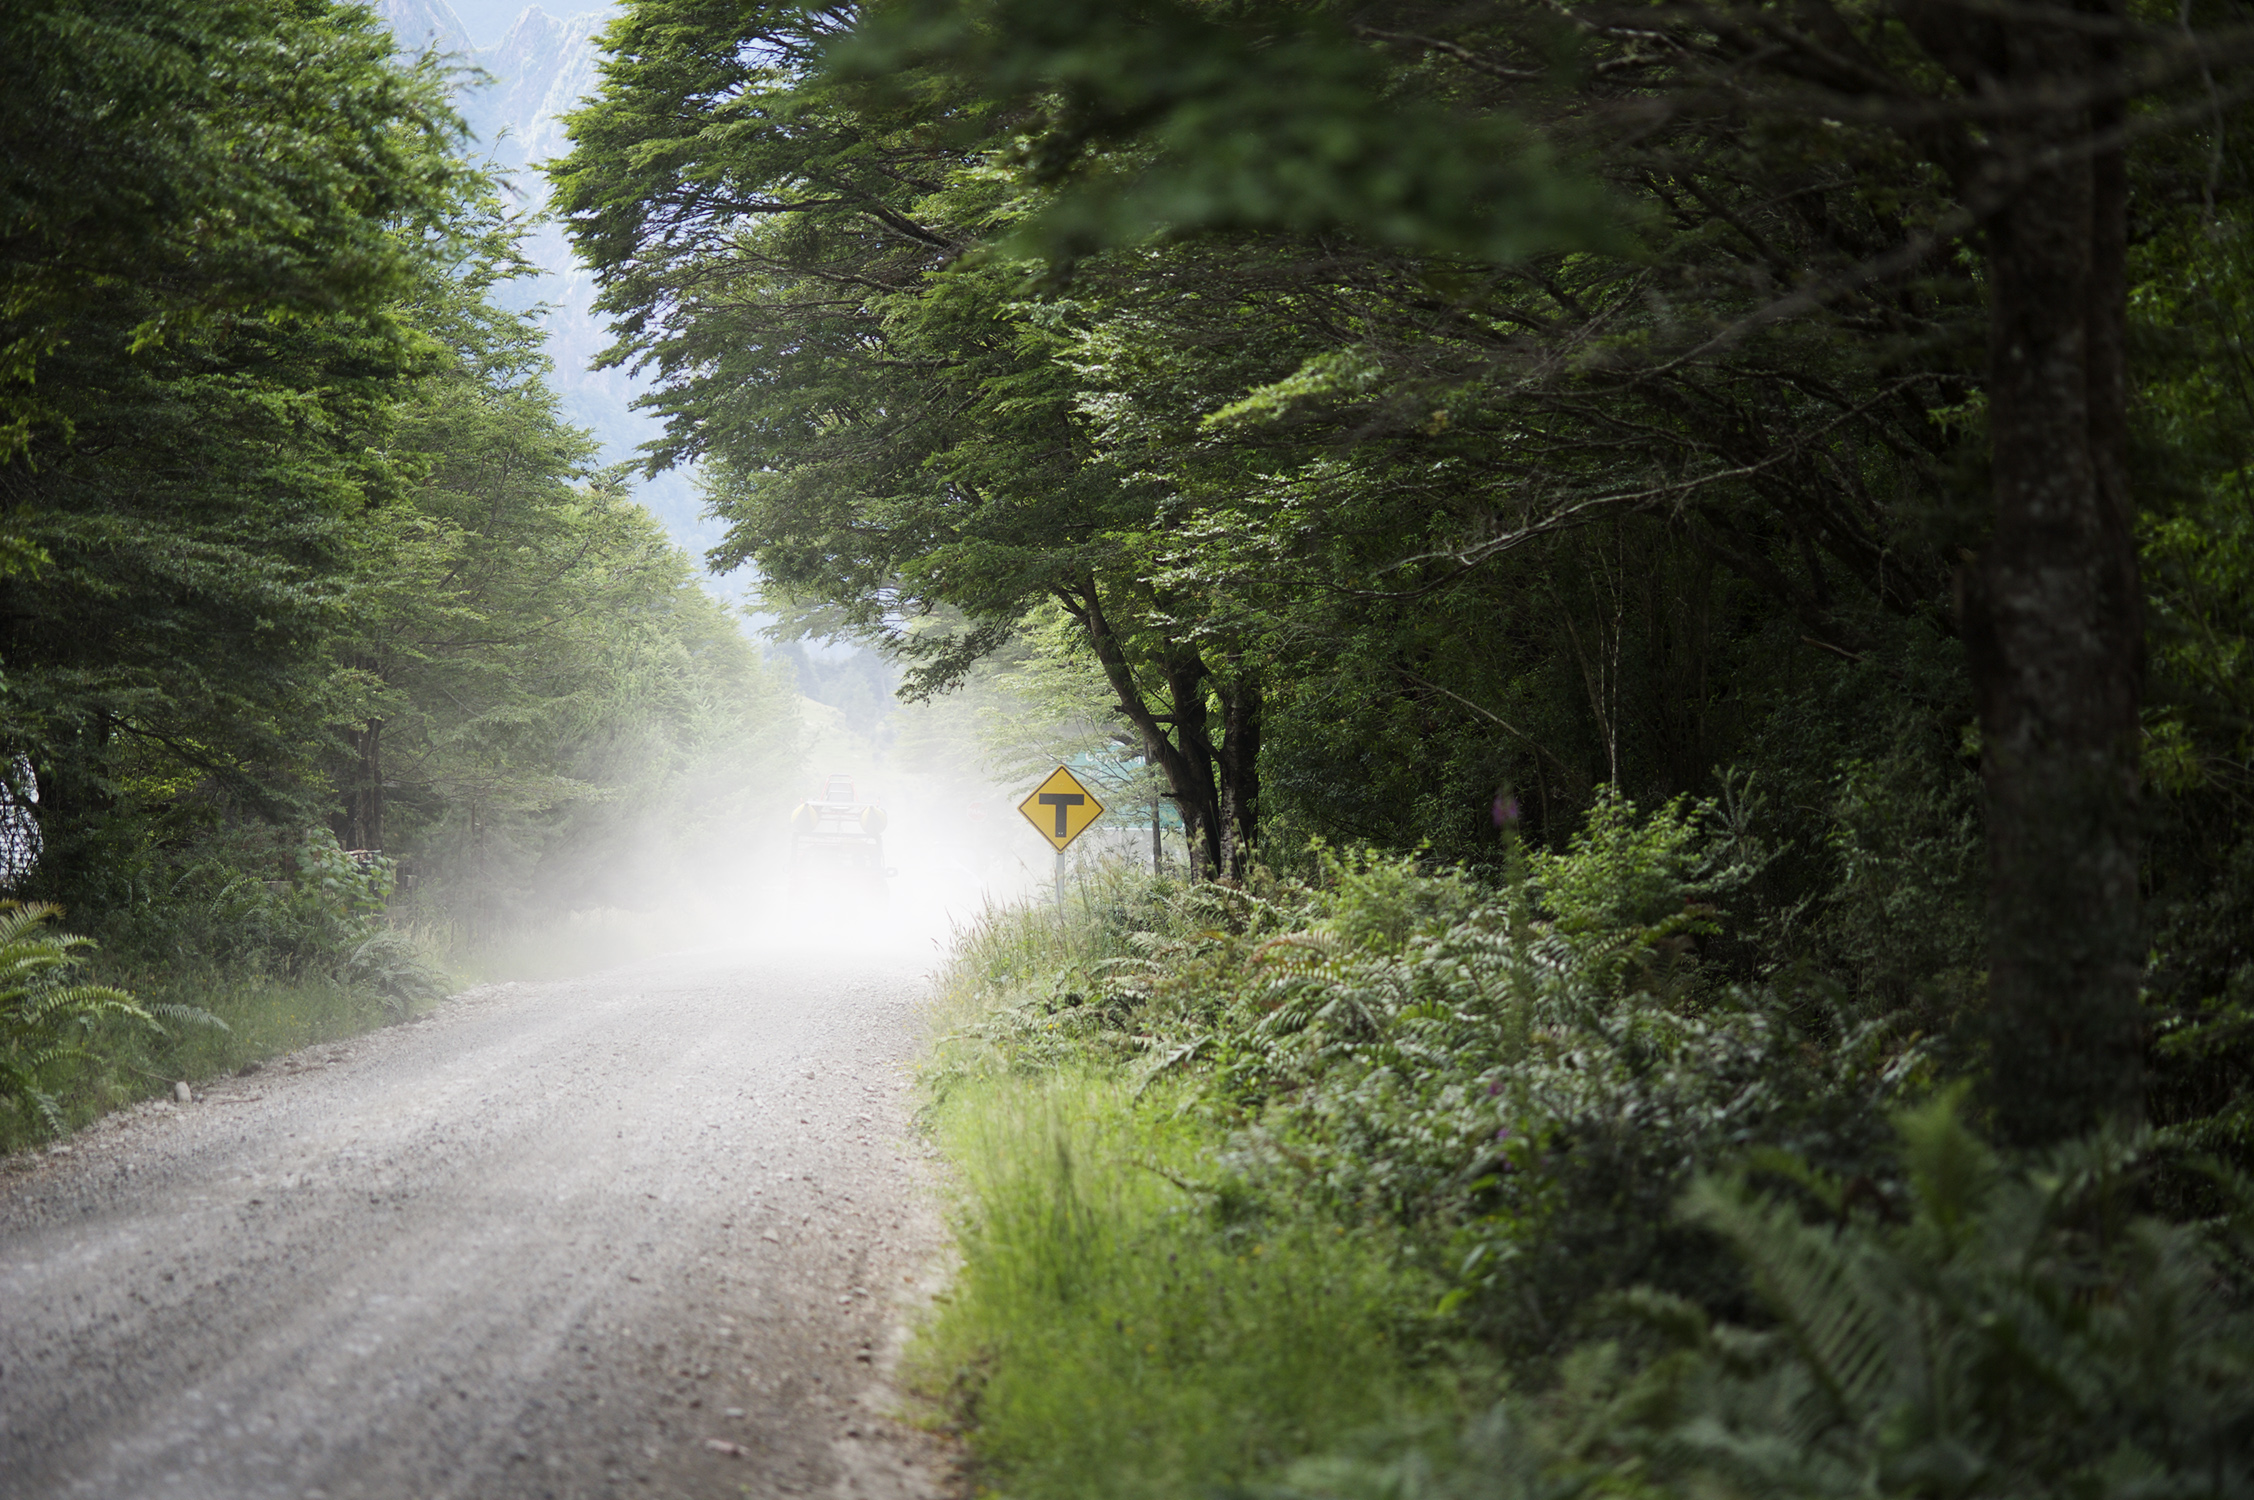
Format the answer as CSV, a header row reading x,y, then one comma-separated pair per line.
x,y
1061,808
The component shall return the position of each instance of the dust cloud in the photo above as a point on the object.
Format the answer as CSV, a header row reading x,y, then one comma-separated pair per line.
x,y
896,828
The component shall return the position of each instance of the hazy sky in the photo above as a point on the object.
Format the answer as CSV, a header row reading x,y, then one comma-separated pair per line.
x,y
487,21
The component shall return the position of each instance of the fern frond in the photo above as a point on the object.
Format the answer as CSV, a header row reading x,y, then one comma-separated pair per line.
x,y
184,1015
1810,1278
40,1013
1951,1170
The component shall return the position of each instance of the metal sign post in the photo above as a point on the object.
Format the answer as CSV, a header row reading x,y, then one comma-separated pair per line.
x,y
1061,810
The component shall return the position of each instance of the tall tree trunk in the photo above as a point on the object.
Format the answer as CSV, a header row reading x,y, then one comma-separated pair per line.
x,y
1189,756
1214,785
2052,621
1237,760
1185,756
72,770
364,799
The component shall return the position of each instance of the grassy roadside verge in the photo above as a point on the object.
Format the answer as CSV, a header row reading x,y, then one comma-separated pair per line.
x,y
264,973
1130,1317
247,970
209,967
260,1016
1398,1184
1121,1328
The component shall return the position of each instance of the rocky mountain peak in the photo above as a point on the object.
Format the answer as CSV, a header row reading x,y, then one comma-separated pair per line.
x,y
539,71
420,24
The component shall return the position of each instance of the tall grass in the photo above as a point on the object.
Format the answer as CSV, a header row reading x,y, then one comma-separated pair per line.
x,y
1014,964
1127,1321
1009,949
1123,1326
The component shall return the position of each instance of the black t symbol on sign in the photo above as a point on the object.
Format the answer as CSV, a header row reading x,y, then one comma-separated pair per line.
x,y
1060,801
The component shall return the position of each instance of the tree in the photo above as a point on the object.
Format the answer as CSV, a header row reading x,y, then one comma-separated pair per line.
x,y
204,159
210,205
550,713
1251,336
2026,121
886,444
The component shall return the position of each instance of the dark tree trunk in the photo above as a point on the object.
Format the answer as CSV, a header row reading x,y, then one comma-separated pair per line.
x,y
1215,786
2052,621
364,799
72,771
1187,759
1238,761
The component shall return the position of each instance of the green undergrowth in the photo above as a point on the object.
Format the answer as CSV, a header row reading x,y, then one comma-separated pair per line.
x,y
280,980
1397,1182
220,968
231,1021
1121,1325
231,970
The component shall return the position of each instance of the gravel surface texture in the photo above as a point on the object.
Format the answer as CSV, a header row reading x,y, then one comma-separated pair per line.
x,y
648,1233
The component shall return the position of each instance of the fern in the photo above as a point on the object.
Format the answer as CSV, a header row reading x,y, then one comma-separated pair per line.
x,y
44,1018
2001,1333
393,968
1997,1333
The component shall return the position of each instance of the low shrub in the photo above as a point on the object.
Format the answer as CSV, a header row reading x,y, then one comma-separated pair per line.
x,y
1987,1329
227,966
1525,1074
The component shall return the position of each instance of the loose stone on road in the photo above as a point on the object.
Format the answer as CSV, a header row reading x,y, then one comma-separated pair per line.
x,y
647,1233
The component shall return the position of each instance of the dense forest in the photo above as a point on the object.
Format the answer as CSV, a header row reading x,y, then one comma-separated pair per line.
x,y
1438,418
1687,570
300,560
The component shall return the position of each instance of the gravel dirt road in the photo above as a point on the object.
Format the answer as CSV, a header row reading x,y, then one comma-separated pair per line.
x,y
648,1233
